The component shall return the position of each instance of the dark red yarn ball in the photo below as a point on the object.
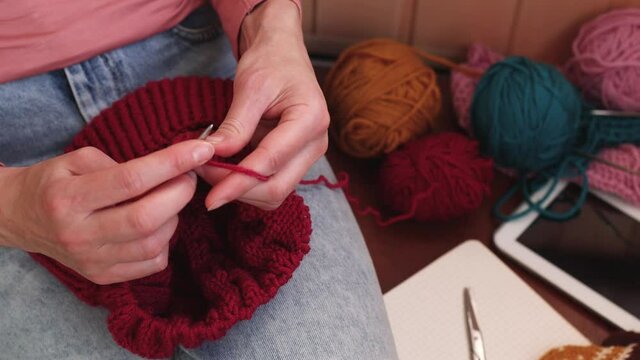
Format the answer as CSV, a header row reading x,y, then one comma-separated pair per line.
x,y
443,174
222,264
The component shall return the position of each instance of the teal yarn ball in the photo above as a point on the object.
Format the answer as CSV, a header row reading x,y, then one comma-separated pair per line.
x,y
529,118
526,115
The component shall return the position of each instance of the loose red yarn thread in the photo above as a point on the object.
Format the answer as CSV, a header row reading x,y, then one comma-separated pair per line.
x,y
342,183
438,177
238,169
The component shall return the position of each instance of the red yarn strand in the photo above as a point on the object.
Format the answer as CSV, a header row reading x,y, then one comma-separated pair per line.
x,y
342,183
238,169
438,177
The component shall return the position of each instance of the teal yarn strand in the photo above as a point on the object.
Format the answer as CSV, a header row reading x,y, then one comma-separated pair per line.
x,y
529,185
532,120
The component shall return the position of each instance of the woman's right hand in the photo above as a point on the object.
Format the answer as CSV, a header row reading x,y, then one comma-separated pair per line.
x,y
109,222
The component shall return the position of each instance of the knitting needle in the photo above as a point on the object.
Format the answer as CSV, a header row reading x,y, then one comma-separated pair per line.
x,y
615,113
206,132
609,163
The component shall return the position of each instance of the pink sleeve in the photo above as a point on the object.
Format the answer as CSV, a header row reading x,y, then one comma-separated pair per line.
x,y
232,12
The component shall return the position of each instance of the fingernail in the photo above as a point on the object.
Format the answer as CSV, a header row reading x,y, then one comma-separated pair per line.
x,y
216,204
203,152
215,139
192,175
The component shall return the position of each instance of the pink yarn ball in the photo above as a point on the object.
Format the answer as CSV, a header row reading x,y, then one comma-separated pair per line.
x,y
606,60
463,86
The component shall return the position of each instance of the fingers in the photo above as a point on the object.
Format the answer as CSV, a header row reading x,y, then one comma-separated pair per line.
x,y
299,126
143,217
141,249
212,174
238,127
87,160
270,195
133,178
134,270
266,195
132,240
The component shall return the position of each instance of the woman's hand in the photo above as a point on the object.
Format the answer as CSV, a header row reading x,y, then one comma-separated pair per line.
x,y
109,222
278,108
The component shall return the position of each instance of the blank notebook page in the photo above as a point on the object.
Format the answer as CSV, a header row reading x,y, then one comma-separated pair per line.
x,y
427,315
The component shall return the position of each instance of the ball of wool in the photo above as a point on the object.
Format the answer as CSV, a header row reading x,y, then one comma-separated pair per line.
x,y
525,115
605,62
463,86
601,176
380,95
443,173
222,264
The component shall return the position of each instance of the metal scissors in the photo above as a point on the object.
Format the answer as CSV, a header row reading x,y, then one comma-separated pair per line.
x,y
476,344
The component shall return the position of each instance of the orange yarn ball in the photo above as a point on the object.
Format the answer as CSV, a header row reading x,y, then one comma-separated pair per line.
x,y
380,95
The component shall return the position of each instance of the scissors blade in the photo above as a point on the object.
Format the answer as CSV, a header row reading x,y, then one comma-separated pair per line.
x,y
206,132
476,342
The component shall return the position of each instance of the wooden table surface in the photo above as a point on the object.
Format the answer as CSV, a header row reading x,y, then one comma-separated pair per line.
x,y
401,250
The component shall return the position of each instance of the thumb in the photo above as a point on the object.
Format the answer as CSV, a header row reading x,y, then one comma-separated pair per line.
x,y
235,132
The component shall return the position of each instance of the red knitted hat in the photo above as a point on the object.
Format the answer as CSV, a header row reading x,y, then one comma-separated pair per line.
x,y
222,264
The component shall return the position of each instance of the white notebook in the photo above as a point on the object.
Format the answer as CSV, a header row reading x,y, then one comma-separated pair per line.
x,y
427,317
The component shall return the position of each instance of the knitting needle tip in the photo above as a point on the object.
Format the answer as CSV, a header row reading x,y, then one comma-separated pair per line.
x,y
206,132
608,163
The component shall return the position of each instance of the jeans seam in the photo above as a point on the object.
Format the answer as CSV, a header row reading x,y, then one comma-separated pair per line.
x,y
200,34
75,77
119,73
188,353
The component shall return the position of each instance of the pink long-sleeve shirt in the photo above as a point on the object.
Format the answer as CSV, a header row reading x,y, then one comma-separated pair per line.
x,y
42,35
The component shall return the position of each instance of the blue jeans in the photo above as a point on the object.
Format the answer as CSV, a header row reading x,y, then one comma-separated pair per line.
x,y
331,309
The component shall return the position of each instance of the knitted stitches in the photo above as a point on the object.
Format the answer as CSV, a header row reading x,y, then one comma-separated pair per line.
x,y
593,352
222,264
619,346
625,185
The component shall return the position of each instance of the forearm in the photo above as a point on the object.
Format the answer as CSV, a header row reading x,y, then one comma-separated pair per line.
x,y
271,17
233,12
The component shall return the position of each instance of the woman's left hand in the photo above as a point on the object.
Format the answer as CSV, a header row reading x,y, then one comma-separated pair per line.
x,y
278,108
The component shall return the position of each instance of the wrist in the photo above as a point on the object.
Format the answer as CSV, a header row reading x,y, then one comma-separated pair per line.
x,y
272,17
6,199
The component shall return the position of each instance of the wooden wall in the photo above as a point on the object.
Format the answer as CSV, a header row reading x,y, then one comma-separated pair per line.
x,y
542,29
